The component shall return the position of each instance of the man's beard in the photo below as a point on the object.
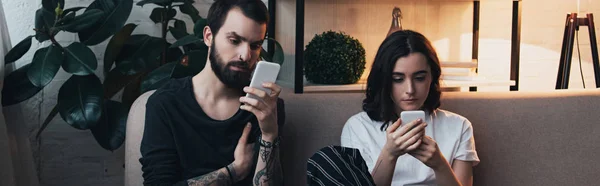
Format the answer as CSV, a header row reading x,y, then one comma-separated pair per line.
x,y
231,79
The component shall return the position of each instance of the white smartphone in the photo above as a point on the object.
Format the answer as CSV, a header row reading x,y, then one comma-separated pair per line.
x,y
409,116
264,72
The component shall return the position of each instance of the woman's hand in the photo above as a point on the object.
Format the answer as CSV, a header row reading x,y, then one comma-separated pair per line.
x,y
403,139
429,153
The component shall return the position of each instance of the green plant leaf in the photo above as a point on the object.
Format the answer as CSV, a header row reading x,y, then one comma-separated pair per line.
x,y
80,101
189,39
132,91
156,2
199,27
116,13
80,60
189,9
17,87
18,51
158,77
47,121
83,21
141,53
179,24
115,45
50,5
45,65
190,64
44,20
67,18
177,33
157,14
110,131
74,9
115,81
278,55
174,54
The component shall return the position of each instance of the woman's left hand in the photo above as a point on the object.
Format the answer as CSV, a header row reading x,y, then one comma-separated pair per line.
x,y
429,153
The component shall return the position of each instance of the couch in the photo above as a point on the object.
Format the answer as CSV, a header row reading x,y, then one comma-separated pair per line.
x,y
522,138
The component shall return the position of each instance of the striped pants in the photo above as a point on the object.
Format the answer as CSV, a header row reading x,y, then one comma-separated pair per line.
x,y
335,165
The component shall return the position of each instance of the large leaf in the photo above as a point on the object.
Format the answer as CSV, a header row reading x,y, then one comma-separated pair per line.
x,y
199,27
158,77
80,101
74,9
50,5
45,65
191,64
179,24
49,118
80,60
67,18
115,81
44,20
142,52
18,51
110,131
189,39
116,13
159,15
132,91
189,9
278,55
115,45
17,87
177,33
156,2
174,54
83,21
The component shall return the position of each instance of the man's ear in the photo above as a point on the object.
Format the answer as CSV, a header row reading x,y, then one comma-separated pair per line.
x,y
208,36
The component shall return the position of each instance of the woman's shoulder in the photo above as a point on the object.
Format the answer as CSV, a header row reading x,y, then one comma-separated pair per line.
x,y
361,120
446,116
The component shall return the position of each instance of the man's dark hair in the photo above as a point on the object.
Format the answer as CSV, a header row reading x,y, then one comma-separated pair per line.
x,y
253,9
378,103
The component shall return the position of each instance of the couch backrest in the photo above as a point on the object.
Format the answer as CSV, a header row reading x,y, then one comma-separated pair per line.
x,y
523,138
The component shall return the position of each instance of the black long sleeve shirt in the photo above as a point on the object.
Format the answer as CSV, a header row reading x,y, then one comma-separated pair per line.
x,y
181,142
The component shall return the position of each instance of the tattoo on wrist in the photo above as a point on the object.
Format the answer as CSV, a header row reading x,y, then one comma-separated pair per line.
x,y
216,177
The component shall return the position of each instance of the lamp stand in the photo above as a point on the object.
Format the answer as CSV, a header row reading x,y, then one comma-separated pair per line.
x,y
564,68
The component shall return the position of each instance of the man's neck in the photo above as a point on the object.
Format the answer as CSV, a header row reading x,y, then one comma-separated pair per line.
x,y
208,86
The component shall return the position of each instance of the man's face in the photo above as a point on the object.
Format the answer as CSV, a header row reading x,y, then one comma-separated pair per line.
x,y
235,49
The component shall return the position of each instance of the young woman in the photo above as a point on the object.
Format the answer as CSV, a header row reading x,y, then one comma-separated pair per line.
x,y
439,150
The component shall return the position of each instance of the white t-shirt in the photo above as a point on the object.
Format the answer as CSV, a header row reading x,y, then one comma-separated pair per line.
x,y
452,132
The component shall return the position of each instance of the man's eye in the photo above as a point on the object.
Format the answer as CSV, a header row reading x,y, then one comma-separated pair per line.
x,y
233,41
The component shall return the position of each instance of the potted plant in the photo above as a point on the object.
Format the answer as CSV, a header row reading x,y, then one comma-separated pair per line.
x,y
334,58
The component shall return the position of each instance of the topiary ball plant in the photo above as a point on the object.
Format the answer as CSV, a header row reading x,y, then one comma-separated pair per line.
x,y
334,58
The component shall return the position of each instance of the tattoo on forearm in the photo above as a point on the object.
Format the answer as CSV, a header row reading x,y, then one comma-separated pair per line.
x,y
271,173
216,178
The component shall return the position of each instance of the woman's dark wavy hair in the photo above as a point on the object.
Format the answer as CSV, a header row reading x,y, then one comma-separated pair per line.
x,y
378,103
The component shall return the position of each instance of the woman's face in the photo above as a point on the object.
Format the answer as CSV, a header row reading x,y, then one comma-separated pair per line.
x,y
411,80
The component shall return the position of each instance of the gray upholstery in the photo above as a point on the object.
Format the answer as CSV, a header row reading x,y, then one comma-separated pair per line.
x,y
523,138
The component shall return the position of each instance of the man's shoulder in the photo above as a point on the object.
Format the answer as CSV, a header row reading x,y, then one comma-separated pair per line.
x,y
173,90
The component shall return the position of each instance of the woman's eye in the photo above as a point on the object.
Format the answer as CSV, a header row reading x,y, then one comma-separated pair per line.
x,y
398,80
420,78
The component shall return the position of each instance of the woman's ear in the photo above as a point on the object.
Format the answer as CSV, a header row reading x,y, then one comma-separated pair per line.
x,y
207,36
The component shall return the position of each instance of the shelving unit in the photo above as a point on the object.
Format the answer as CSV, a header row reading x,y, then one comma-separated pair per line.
x,y
299,86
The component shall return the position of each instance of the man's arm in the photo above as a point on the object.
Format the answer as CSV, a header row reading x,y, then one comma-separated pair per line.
x,y
216,178
268,168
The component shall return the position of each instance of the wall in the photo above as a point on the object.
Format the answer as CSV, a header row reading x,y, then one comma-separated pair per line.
x,y
447,23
